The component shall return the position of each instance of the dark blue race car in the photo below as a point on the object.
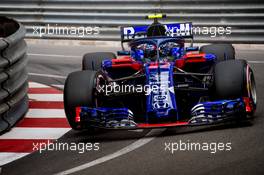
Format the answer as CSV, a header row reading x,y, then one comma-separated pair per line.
x,y
160,82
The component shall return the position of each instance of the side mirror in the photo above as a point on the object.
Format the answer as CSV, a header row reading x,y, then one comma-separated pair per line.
x,y
188,49
123,53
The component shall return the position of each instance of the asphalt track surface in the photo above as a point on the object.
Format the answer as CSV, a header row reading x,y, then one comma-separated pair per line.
x,y
150,157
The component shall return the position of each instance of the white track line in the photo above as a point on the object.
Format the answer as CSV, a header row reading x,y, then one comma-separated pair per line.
x,y
139,143
37,85
47,75
46,97
10,157
256,62
53,55
35,133
137,130
45,113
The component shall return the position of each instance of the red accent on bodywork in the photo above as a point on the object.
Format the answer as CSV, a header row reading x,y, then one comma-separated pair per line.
x,y
190,57
78,110
156,64
159,125
180,63
126,62
249,104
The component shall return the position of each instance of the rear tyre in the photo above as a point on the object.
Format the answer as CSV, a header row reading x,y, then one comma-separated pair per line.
x,y
78,91
221,51
93,61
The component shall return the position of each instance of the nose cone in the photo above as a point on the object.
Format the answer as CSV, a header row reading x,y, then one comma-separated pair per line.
x,y
161,102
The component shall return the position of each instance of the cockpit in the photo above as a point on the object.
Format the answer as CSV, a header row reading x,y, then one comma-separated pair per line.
x,y
152,49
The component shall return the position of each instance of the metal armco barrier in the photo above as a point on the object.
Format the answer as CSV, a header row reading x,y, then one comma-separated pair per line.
x,y
246,18
13,73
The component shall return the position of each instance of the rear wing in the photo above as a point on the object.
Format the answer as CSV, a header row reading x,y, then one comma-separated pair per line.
x,y
173,30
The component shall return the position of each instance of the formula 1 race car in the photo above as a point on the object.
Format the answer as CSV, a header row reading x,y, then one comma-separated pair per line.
x,y
160,82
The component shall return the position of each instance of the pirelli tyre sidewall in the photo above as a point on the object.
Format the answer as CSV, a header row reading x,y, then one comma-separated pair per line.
x,y
234,79
78,91
93,61
251,88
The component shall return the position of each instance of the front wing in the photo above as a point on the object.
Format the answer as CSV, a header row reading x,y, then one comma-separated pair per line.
x,y
122,118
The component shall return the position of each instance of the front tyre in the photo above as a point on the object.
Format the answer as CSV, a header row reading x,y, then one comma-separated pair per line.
x,y
235,79
78,91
